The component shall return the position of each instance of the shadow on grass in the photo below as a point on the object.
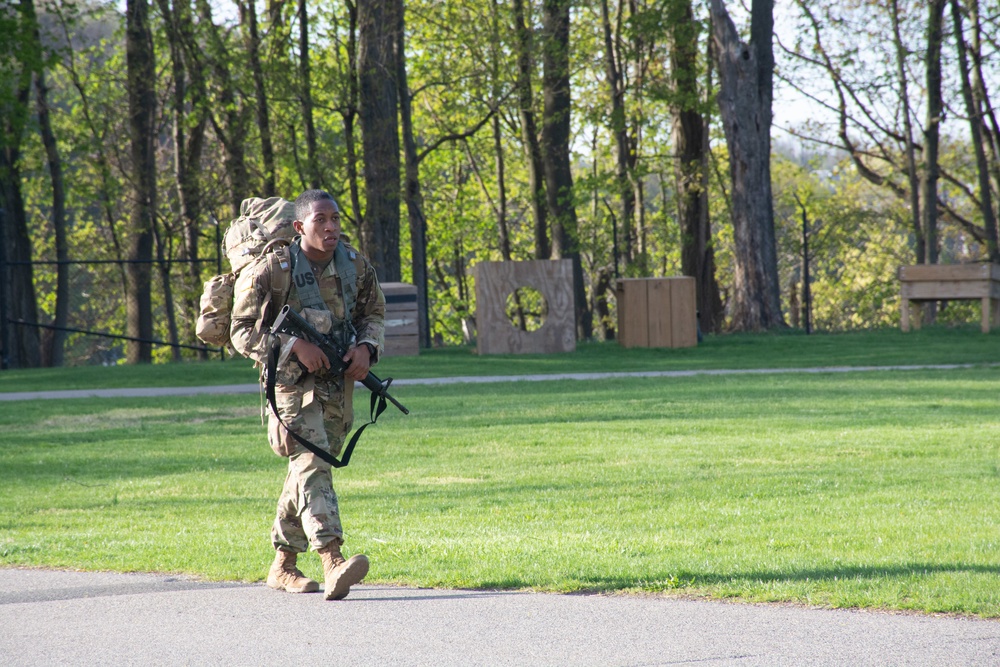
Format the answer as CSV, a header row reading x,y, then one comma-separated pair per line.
x,y
685,579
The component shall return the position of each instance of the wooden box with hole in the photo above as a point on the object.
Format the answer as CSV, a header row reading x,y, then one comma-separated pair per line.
x,y
525,307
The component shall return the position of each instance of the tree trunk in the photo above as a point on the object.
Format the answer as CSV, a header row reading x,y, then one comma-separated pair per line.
x,y
501,204
932,125
498,154
911,160
378,21
187,151
350,113
745,104
412,194
248,17
975,127
990,126
305,98
691,147
529,133
163,264
57,342
20,347
556,152
619,128
21,344
232,135
142,112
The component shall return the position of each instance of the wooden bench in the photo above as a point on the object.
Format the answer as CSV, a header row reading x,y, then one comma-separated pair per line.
x,y
951,282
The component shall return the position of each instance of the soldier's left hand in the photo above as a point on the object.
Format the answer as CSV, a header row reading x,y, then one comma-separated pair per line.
x,y
360,361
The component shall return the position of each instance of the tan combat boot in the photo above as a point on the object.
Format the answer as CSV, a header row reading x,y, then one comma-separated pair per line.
x,y
341,574
284,576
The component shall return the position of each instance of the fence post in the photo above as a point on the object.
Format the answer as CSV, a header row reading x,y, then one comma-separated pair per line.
x,y
4,282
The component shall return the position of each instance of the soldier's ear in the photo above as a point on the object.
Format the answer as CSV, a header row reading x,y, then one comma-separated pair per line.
x,y
297,226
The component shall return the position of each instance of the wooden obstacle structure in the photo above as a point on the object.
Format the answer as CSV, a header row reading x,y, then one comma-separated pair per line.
x,y
657,312
401,334
496,333
950,282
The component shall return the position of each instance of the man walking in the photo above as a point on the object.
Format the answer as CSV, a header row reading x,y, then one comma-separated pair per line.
x,y
337,291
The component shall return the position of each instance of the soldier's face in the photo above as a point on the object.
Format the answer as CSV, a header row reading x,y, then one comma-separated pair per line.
x,y
321,229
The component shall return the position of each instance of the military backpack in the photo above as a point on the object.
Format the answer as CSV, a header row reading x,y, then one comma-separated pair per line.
x,y
264,225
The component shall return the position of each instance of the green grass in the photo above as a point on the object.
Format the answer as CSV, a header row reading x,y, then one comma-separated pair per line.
x,y
934,345
876,489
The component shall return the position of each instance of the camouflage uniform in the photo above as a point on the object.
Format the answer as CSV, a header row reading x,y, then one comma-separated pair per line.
x,y
317,406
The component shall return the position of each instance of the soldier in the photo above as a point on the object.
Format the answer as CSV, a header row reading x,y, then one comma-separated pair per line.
x,y
311,400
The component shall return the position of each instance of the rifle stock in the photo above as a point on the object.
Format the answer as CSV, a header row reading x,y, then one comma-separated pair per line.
x,y
290,322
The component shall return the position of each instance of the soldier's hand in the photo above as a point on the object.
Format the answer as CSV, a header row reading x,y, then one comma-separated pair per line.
x,y
309,355
359,361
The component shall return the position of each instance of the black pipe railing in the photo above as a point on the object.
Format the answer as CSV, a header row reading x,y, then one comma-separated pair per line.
x,y
152,341
5,321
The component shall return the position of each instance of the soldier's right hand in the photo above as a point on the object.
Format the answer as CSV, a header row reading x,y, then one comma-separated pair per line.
x,y
310,355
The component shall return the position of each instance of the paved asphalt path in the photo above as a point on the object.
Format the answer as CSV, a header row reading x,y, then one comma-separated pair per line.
x,y
77,618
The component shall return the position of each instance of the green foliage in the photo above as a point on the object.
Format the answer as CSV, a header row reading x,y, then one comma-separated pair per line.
x,y
854,249
462,67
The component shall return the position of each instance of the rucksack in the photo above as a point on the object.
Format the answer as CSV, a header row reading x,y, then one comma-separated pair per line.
x,y
264,225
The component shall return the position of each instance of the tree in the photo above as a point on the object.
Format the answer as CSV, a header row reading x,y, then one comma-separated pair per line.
x,y
625,143
142,112
378,21
912,173
53,353
556,151
248,18
690,135
976,127
412,194
20,59
529,131
188,142
746,71
306,99
932,128
878,114
231,128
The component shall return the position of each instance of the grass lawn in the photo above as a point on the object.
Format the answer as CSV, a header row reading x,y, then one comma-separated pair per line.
x,y
887,347
876,489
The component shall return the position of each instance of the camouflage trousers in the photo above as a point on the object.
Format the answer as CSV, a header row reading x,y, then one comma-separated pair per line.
x,y
321,412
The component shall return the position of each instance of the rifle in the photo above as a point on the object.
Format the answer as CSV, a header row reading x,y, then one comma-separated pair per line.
x,y
290,322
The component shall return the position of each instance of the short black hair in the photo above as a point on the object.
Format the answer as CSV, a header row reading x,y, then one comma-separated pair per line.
x,y
304,202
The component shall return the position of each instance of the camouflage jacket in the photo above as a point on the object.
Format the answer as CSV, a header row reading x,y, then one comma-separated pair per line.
x,y
253,310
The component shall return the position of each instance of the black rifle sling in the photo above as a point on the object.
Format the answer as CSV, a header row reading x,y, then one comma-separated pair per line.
x,y
274,351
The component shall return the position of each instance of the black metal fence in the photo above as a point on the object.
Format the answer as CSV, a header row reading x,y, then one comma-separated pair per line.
x,y
7,322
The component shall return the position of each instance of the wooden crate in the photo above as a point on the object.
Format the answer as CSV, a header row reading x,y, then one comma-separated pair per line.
x,y
401,333
948,282
657,312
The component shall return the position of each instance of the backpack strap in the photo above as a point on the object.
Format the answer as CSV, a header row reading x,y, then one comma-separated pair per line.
x,y
348,273
281,284
281,280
